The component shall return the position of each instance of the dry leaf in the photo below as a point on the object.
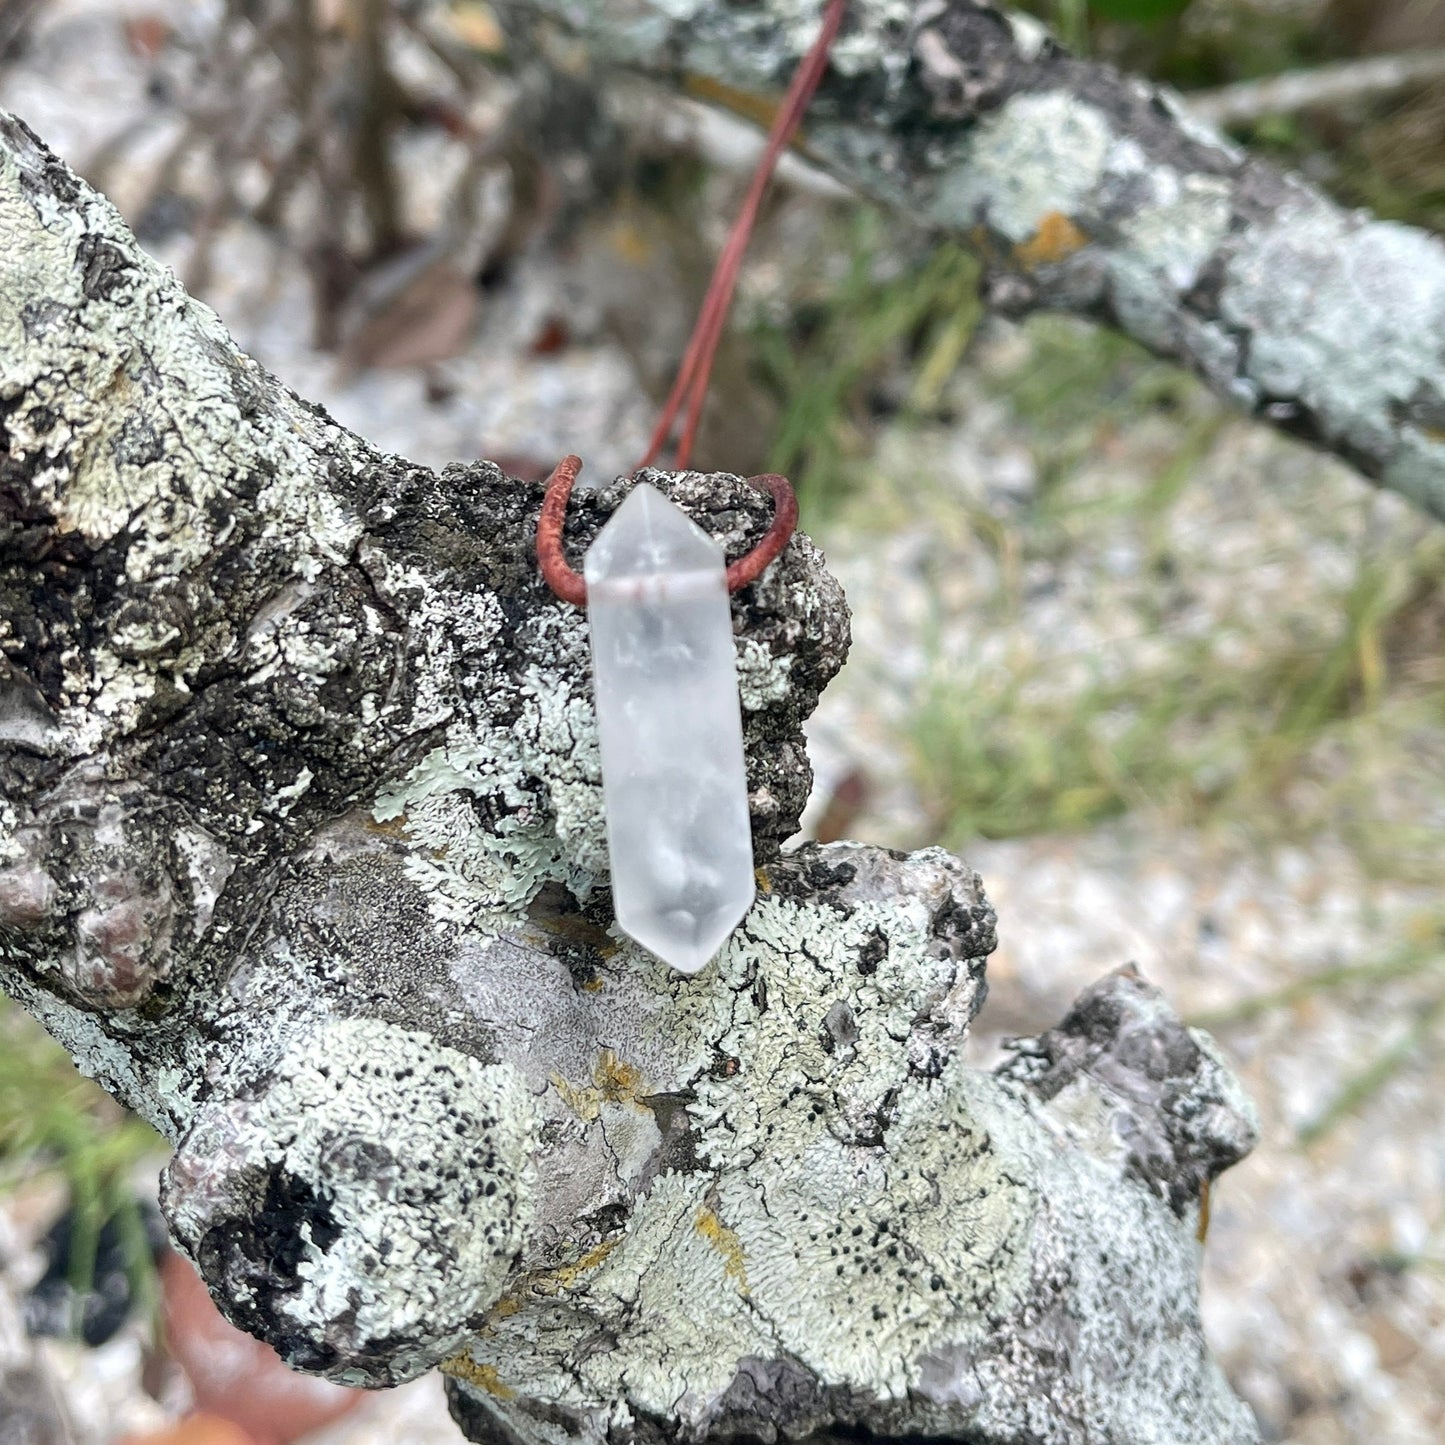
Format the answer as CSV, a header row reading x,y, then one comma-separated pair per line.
x,y
196,1430
426,320
476,25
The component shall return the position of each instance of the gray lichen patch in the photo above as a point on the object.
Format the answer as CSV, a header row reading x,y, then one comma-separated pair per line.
x,y
364,1204
1039,155
1132,1084
119,437
828,1023
762,675
854,1214
1347,317
848,1007
509,800
872,1280
297,759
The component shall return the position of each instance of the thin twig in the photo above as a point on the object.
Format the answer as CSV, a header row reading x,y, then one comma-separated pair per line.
x,y
1360,1087
1328,85
1402,964
376,116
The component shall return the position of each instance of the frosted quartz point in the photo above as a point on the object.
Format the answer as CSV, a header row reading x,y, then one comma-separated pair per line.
x,y
665,681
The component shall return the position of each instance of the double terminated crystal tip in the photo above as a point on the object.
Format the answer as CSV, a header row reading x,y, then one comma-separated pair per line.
x,y
674,784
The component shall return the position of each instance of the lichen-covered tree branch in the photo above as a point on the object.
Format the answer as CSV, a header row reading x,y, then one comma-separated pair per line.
x,y
1090,192
302,856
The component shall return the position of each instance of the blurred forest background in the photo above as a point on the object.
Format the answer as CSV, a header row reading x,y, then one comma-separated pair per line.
x,y
1174,684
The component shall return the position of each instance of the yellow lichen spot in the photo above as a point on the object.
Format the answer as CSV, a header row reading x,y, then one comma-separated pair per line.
x,y
595,984
391,828
578,1097
631,242
765,884
727,1244
617,1081
566,1275
547,1284
484,1377
614,1081
1056,238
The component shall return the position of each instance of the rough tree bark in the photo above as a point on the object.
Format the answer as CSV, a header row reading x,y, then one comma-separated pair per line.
x,y
301,855
1096,193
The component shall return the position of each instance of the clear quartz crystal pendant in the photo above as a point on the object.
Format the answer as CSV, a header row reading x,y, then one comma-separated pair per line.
x,y
669,725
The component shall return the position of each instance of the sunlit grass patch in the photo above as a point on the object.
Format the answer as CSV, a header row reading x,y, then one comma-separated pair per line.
x,y
53,1121
1170,673
886,339
1033,742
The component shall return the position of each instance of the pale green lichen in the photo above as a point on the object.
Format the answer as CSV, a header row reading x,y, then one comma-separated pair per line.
x,y
763,678
481,874
1038,155
482,866
163,1095
1178,229
830,1083
498,811
127,461
1343,315
392,1130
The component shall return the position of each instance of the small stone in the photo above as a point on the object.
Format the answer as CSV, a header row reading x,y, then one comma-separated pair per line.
x,y
669,725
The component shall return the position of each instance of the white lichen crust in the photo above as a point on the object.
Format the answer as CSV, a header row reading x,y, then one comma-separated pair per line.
x,y
880,1237
1096,193
301,855
321,1210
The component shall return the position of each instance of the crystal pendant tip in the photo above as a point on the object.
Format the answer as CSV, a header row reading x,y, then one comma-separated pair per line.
x,y
685,940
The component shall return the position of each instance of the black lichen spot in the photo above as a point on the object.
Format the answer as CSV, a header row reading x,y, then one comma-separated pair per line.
x,y
255,1256
290,1205
822,877
104,268
873,952
38,318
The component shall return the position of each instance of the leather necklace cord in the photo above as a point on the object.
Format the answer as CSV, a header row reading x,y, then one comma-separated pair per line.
x,y
690,387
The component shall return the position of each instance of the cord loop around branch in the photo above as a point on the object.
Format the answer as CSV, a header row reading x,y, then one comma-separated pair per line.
x,y
569,584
